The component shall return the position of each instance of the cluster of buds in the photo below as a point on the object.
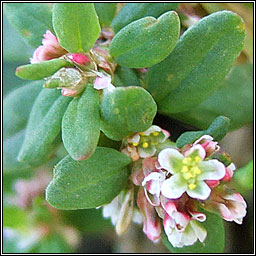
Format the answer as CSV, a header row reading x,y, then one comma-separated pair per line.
x,y
94,67
176,187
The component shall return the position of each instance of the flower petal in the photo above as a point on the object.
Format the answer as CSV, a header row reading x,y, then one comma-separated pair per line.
x,y
202,191
171,160
174,187
199,230
211,170
203,139
200,151
151,129
146,152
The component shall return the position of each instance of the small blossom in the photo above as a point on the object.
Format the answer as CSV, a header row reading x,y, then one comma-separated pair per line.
x,y
229,172
189,171
103,81
50,49
151,221
210,146
180,228
144,144
231,207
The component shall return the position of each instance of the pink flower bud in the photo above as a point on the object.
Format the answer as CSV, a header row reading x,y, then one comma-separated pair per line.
x,y
79,58
212,183
49,50
68,92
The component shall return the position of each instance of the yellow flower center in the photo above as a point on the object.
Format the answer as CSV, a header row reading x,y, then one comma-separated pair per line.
x,y
145,144
190,170
135,144
155,134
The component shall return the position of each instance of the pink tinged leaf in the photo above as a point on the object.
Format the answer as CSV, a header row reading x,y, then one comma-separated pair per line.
x,y
211,170
174,187
170,207
152,225
229,172
225,212
201,192
171,160
149,165
198,149
137,177
199,230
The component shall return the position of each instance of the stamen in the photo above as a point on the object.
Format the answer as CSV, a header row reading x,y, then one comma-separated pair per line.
x,y
184,169
196,170
135,144
155,133
186,160
197,159
192,186
145,145
187,175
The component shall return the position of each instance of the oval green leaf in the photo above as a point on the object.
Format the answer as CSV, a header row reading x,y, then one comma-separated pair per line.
x,y
31,20
234,99
126,110
76,25
43,125
135,11
214,242
198,64
147,41
88,183
81,125
124,76
106,12
42,69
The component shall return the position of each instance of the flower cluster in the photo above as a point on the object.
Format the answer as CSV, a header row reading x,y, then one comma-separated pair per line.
x,y
176,187
93,67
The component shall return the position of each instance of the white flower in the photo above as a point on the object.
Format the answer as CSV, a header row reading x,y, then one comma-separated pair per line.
x,y
189,172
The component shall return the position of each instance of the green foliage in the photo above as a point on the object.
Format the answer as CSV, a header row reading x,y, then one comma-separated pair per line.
x,y
42,69
106,12
14,217
16,109
147,41
88,183
124,76
218,129
134,11
243,178
198,64
126,110
76,25
43,125
81,125
31,20
214,242
234,99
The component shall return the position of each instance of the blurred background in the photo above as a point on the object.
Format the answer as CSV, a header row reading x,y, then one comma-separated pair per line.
x,y
31,225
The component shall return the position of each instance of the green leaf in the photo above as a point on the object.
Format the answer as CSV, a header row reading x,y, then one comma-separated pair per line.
x,y
106,13
76,25
14,217
42,69
218,129
198,64
126,110
134,11
17,106
88,183
31,20
234,100
43,125
81,125
214,242
16,109
125,77
243,177
147,41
